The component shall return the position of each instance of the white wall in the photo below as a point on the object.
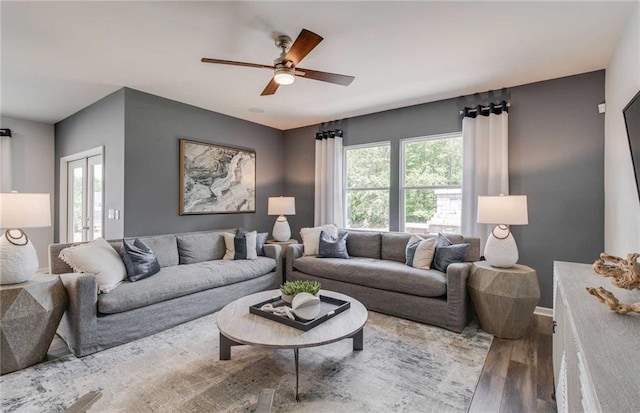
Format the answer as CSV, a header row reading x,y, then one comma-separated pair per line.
x,y
622,208
28,166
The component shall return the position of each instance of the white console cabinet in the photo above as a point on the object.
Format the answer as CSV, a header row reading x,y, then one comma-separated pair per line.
x,y
596,352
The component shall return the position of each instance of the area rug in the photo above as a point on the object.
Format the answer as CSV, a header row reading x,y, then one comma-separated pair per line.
x,y
404,367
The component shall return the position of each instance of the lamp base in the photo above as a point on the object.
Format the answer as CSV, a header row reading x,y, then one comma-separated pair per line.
x,y
281,229
501,251
18,263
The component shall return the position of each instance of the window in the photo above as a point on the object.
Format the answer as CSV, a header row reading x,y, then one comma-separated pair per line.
x,y
367,179
431,184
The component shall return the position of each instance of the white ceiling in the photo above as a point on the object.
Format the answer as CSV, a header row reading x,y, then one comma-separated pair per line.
x,y
58,57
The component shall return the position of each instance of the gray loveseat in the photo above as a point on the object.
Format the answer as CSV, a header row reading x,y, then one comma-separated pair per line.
x,y
376,275
193,281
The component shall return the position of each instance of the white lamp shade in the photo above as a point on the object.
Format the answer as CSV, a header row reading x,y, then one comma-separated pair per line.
x,y
503,209
18,210
282,205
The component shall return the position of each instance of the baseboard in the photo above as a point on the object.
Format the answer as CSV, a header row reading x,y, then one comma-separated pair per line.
x,y
544,311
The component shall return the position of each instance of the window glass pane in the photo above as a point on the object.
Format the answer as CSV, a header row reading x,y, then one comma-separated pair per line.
x,y
368,167
368,209
433,210
434,162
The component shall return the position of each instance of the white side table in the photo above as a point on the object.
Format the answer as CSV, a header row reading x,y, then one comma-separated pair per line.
x,y
504,298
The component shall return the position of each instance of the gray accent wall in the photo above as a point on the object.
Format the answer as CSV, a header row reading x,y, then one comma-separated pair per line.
x,y
27,165
153,127
556,156
101,124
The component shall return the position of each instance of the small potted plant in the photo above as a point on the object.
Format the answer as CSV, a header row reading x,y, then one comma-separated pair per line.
x,y
291,288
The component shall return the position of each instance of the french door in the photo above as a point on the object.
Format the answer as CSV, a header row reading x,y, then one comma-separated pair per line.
x,y
85,194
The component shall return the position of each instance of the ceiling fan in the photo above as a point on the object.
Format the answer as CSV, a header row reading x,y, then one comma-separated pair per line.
x,y
285,67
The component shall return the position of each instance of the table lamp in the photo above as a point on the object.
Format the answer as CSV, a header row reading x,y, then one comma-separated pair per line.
x,y
504,210
18,258
282,205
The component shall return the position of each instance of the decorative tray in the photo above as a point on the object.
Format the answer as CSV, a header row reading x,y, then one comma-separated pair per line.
x,y
329,308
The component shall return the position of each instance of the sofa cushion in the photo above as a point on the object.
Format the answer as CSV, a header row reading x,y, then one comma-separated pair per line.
x,y
394,245
381,274
194,248
181,280
165,248
364,244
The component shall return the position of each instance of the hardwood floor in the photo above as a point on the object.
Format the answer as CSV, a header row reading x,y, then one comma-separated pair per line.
x,y
518,374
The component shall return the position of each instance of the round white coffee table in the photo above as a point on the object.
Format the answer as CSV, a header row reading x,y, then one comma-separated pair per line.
x,y
238,326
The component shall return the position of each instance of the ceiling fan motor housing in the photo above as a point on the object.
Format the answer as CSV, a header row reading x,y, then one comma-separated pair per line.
x,y
284,75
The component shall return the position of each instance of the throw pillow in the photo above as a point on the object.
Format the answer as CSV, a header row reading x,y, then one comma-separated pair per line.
x,y
261,239
330,247
442,241
97,257
139,260
450,254
311,237
241,246
420,252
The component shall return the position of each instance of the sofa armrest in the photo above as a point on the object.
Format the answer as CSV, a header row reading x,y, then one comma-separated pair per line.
x,y
293,251
457,274
78,327
275,251
457,297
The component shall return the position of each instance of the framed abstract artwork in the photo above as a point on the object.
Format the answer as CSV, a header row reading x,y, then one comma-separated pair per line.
x,y
216,179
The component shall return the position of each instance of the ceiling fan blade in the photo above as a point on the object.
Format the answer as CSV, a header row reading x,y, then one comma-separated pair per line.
x,y
343,80
232,63
271,88
304,43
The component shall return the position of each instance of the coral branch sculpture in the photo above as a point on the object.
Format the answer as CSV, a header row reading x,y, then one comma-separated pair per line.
x,y
624,273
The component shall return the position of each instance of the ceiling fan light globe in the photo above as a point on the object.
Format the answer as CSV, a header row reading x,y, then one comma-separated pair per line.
x,y
284,76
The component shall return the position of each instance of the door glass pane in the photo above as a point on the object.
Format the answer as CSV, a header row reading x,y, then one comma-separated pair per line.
x,y
76,206
96,197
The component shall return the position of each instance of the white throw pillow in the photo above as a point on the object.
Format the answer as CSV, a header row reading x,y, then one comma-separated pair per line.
x,y
420,252
311,237
230,249
97,257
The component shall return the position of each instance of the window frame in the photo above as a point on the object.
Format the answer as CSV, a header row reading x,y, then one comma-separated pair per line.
x,y
344,178
403,172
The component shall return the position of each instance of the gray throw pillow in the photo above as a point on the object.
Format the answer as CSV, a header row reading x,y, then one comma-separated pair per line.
x,y
330,247
449,254
138,259
240,244
261,239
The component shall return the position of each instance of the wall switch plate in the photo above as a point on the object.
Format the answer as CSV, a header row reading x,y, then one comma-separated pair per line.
x,y
117,214
110,213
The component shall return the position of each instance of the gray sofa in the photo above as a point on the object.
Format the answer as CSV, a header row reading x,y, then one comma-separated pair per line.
x,y
193,281
376,275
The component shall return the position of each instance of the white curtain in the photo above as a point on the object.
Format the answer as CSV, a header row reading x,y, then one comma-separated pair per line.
x,y
328,195
486,163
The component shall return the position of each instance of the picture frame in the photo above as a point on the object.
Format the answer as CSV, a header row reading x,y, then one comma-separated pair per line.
x,y
216,179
